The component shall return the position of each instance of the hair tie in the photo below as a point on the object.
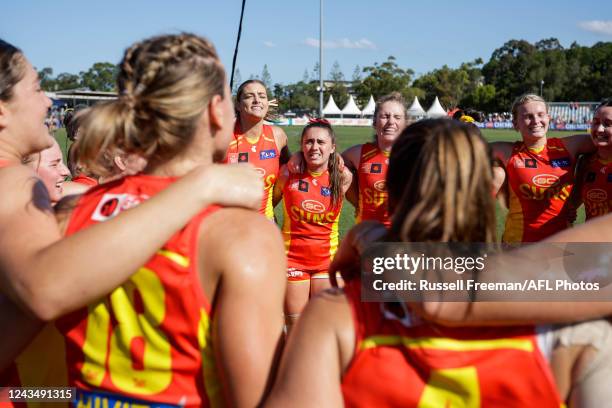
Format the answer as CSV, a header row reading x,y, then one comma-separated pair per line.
x,y
319,121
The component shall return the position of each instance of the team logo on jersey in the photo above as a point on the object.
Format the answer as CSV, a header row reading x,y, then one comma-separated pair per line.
x,y
545,180
243,157
376,168
562,162
253,148
267,154
597,195
519,164
260,171
380,185
325,191
313,206
590,177
112,204
303,186
531,164
232,158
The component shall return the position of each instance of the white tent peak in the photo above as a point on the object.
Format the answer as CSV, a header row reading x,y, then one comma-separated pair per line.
x,y
351,107
436,110
416,109
369,108
331,108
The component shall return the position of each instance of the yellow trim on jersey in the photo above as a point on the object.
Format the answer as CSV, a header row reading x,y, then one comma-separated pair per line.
x,y
212,381
269,139
43,363
442,343
286,228
333,236
538,149
385,153
178,259
514,227
369,155
269,212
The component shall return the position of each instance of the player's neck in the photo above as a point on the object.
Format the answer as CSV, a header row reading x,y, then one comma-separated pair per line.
x,y
317,170
385,145
534,143
251,129
198,154
9,151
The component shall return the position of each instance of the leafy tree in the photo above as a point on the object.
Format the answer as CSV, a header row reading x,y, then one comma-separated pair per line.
x,y
315,72
266,78
336,74
305,77
67,81
383,79
356,78
47,82
101,76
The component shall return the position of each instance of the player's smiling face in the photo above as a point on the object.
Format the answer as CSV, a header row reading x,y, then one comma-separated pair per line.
x,y
317,146
254,101
390,121
532,120
601,128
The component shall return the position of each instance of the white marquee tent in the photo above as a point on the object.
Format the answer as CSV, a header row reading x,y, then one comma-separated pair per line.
x,y
351,108
415,110
331,108
369,108
436,110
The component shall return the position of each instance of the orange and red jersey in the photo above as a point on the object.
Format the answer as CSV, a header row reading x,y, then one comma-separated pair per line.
x,y
310,222
539,185
148,342
596,189
86,180
264,155
402,362
371,174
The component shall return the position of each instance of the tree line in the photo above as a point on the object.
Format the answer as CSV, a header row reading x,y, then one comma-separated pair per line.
x,y
577,73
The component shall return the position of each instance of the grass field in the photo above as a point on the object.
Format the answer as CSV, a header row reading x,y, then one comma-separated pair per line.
x,y
348,136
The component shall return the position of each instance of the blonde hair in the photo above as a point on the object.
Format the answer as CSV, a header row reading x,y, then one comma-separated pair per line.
x,y
447,196
523,99
392,97
165,83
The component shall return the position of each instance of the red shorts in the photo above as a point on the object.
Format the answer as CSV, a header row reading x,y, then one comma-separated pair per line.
x,y
301,275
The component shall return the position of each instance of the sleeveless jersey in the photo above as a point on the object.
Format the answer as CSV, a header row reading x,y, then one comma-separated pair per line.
x,y
596,190
86,180
371,174
539,185
264,155
310,222
149,341
403,363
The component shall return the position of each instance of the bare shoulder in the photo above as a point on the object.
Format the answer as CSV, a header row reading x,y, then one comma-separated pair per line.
x,y
26,190
502,151
352,156
279,136
283,173
579,144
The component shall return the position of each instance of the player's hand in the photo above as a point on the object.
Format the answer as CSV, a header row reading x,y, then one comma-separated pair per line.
x,y
295,165
347,259
231,185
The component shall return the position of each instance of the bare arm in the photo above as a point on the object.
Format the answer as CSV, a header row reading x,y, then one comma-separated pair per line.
x,y
280,137
248,321
351,158
40,271
319,349
579,144
280,185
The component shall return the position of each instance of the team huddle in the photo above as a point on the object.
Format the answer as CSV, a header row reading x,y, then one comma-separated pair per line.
x,y
192,298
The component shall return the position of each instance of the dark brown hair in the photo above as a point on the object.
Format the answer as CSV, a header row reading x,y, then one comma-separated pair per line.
x,y
12,69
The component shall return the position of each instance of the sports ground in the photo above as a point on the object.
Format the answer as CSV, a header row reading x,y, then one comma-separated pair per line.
x,y
348,136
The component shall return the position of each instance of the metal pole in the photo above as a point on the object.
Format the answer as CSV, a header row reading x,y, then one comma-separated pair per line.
x,y
541,86
321,58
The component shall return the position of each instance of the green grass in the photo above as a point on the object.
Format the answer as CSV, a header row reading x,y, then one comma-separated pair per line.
x,y
348,136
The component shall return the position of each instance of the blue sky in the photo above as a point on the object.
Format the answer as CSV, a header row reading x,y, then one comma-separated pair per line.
x,y
69,36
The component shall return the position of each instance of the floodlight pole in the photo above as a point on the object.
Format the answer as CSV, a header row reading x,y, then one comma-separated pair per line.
x,y
321,58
